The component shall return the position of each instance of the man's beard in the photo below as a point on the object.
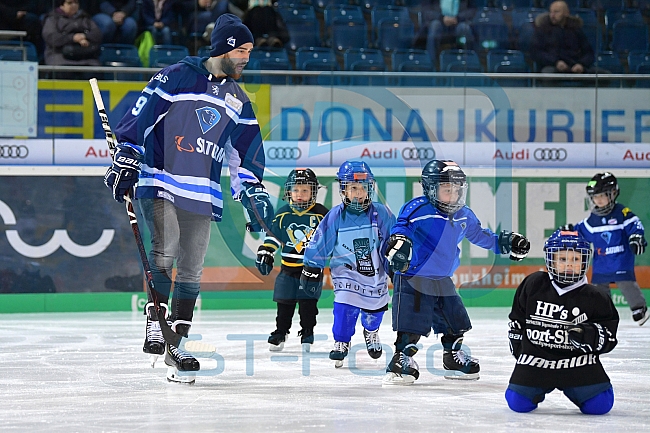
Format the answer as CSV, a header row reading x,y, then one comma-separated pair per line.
x,y
229,68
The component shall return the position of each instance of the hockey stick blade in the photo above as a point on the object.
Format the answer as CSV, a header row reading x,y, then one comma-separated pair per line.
x,y
169,335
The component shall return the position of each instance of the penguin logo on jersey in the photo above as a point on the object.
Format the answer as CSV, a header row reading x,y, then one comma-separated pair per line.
x,y
363,256
208,117
298,235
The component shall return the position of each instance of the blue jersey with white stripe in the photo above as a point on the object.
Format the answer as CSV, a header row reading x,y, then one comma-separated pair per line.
x,y
613,258
436,237
188,122
356,245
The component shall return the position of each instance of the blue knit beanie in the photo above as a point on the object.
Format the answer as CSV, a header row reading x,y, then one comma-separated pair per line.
x,y
228,33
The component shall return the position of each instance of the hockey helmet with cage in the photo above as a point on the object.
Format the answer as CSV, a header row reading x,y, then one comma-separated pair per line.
x,y
438,172
301,176
356,172
603,183
556,249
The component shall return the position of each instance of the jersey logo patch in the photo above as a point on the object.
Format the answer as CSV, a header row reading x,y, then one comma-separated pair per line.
x,y
363,255
208,117
298,235
607,236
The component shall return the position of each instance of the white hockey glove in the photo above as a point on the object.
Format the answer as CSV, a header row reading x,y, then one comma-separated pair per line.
x,y
637,244
515,244
399,251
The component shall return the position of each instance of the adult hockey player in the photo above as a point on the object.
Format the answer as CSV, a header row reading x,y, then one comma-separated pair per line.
x,y
617,235
190,121
423,253
353,236
559,326
292,227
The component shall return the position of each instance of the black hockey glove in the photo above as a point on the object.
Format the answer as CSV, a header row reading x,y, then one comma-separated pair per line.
x,y
637,244
264,262
590,337
311,281
515,336
398,252
515,244
259,209
122,176
567,228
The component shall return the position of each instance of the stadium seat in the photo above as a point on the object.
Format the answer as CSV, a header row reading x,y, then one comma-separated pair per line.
x,y
348,33
525,15
461,61
505,58
636,58
629,36
165,55
325,65
514,4
13,51
410,60
395,34
364,59
588,16
296,10
490,29
612,16
378,13
609,60
342,14
303,32
271,58
119,55
643,68
595,35
319,54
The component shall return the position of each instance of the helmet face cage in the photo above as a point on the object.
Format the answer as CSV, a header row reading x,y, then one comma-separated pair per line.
x,y
356,172
602,183
444,174
562,251
301,176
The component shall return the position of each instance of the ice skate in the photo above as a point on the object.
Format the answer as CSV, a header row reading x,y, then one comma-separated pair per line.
x,y
459,365
276,340
306,339
372,343
402,370
641,315
181,366
154,342
339,353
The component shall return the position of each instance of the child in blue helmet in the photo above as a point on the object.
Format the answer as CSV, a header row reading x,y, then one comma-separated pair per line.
x,y
559,326
353,237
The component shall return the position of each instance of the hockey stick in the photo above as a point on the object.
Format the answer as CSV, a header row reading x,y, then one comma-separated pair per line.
x,y
170,336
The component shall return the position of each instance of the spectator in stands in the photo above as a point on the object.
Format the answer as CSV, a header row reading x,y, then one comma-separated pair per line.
x,y
204,13
116,21
71,37
446,20
23,15
266,24
160,17
559,43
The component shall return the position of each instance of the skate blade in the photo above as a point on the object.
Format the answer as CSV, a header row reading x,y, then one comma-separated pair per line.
x,y
274,348
185,377
306,347
338,364
459,375
394,379
644,318
152,360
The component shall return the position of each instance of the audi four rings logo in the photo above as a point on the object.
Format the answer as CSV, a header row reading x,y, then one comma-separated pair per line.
x,y
13,151
547,154
426,153
283,153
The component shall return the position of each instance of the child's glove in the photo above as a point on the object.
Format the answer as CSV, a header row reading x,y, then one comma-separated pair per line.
x,y
264,262
567,227
398,252
589,337
311,281
637,244
515,244
259,209
515,336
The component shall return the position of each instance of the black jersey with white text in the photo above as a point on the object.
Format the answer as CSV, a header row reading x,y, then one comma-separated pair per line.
x,y
546,358
291,230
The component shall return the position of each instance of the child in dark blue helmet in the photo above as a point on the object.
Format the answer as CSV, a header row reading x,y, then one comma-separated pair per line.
x,y
353,237
559,327
423,252
290,232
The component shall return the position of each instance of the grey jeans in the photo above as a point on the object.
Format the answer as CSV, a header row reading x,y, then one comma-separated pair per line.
x,y
176,236
630,290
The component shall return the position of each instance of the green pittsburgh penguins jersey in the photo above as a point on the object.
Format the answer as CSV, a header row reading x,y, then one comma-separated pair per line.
x,y
291,231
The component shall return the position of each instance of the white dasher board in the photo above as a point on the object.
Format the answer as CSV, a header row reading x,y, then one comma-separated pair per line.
x,y
18,99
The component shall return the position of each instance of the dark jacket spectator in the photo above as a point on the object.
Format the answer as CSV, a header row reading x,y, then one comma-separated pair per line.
x,y
160,17
559,43
23,15
71,36
442,25
117,22
266,25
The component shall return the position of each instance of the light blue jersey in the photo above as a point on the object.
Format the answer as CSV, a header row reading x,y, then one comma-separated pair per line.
x,y
355,245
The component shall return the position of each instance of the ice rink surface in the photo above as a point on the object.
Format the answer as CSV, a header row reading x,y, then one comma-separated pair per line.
x,y
85,372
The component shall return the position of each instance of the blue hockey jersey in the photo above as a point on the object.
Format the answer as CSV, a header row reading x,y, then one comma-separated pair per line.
x,y
188,122
436,237
356,245
613,259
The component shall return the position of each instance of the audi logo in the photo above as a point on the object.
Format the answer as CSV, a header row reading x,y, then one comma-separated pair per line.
x,y
550,154
421,153
283,153
13,151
